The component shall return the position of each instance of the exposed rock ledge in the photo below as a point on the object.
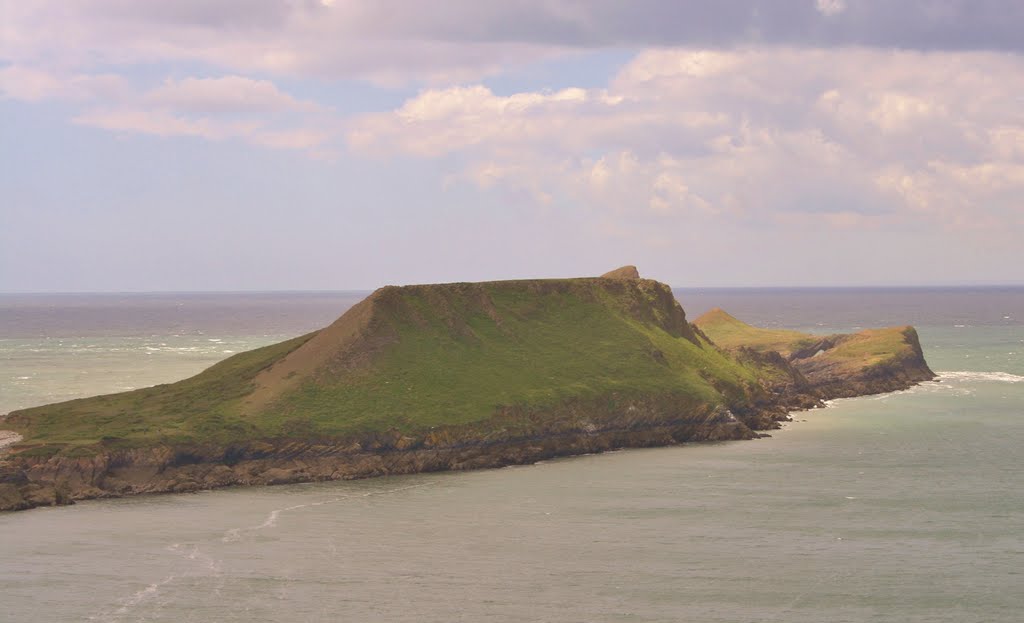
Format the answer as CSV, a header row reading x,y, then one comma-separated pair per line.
x,y
8,438
578,428
624,272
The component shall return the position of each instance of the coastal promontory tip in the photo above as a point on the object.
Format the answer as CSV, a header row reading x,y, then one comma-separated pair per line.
x,y
624,272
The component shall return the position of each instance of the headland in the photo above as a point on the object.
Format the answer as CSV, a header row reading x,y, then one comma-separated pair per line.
x,y
447,377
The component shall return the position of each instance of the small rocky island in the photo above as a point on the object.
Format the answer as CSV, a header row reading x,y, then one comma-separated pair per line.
x,y
445,377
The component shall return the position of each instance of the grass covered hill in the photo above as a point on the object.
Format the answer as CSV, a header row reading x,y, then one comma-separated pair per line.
x,y
417,357
449,376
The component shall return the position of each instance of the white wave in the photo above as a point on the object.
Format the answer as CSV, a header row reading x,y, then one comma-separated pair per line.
x,y
140,596
271,520
126,605
970,376
236,534
208,562
209,567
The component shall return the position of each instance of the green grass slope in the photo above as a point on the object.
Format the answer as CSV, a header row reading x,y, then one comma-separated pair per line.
x,y
731,333
415,357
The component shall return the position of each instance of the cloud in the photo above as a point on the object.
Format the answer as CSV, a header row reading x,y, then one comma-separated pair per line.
x,y
224,108
856,113
446,120
227,94
392,41
31,85
830,7
166,124
837,137
217,109
276,38
156,123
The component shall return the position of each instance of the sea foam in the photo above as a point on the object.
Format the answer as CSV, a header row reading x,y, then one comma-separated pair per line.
x,y
972,376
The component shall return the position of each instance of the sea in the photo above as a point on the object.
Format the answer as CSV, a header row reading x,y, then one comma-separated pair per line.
x,y
904,507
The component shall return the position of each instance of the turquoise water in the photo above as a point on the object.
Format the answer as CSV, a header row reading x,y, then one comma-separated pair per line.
x,y
903,507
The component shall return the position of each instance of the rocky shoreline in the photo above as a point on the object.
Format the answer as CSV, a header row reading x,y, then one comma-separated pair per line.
x,y
514,438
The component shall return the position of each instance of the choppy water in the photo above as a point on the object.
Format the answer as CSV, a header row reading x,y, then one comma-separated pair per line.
x,y
904,507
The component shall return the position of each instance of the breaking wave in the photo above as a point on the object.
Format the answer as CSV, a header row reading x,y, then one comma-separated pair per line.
x,y
970,376
237,534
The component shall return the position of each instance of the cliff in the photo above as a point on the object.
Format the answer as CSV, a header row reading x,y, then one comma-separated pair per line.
x,y
423,378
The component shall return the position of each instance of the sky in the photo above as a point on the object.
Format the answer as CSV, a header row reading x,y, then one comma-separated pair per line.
x,y
348,144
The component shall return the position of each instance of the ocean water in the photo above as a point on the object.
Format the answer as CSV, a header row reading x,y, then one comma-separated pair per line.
x,y
906,507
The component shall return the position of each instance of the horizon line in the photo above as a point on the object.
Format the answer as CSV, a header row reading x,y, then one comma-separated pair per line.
x,y
674,287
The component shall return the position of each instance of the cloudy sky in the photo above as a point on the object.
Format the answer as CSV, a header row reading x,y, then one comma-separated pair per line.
x,y
347,144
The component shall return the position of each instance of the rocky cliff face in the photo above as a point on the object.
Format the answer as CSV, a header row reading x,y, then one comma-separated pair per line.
x,y
903,368
513,436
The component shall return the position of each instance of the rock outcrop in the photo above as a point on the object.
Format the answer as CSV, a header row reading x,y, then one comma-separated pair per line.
x,y
624,272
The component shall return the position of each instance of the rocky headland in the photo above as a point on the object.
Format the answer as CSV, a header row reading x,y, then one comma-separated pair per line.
x,y
448,377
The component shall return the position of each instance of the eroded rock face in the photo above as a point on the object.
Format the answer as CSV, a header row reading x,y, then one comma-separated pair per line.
x,y
831,379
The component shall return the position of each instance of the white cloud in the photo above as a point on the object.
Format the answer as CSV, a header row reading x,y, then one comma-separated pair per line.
x,y
830,8
447,120
227,94
229,107
167,124
843,138
217,109
31,84
150,122
849,135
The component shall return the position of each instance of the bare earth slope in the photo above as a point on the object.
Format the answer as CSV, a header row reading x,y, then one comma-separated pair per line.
x,y
435,377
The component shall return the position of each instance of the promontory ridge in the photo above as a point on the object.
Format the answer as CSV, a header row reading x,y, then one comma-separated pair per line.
x,y
446,377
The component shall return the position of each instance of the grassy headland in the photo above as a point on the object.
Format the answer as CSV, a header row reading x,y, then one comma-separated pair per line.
x,y
415,357
450,376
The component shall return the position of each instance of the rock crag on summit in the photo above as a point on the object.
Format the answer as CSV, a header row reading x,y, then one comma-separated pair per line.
x,y
445,377
625,272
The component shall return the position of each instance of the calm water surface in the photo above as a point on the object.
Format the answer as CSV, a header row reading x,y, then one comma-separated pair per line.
x,y
904,507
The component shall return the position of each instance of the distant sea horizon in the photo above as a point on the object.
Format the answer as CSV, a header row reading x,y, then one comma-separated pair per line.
x,y
940,286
